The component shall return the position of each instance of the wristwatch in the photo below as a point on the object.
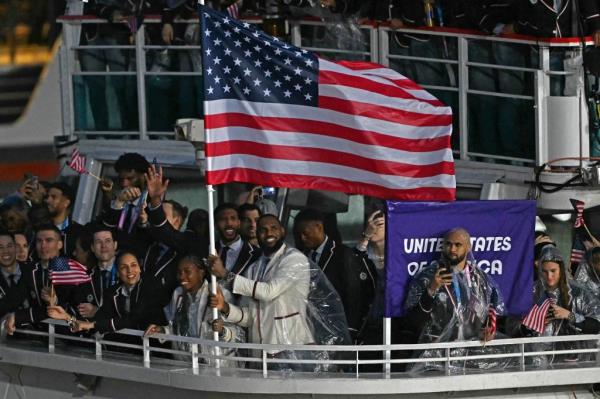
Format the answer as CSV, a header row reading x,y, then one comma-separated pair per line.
x,y
571,318
228,279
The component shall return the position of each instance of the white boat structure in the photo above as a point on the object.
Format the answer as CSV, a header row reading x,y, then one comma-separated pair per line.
x,y
43,365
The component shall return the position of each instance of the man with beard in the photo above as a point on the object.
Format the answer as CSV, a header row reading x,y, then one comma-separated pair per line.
x,y
343,268
278,284
236,254
60,202
452,299
249,215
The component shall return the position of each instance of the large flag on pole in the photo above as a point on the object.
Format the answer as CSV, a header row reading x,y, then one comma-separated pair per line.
x,y
278,115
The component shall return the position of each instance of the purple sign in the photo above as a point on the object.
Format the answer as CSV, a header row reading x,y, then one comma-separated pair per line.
x,y
502,234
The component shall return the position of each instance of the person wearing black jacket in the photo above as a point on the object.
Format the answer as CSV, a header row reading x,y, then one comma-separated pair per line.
x,y
36,286
162,228
353,280
123,212
558,19
12,283
115,32
126,305
60,201
235,252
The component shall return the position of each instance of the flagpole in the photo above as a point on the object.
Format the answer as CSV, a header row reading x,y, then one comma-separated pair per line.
x,y
213,251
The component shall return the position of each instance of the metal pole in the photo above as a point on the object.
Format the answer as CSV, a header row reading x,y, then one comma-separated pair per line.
x,y
98,349
212,249
387,340
146,349
463,103
195,368
51,338
384,46
140,67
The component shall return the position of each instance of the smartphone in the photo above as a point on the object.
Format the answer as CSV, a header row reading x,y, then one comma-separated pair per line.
x,y
31,178
445,267
268,192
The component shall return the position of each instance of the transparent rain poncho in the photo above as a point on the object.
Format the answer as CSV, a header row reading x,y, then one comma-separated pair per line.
x,y
190,316
340,32
459,313
572,296
289,301
588,276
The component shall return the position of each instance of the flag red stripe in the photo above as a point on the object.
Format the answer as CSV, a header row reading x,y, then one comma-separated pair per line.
x,y
358,82
290,125
384,113
365,66
327,156
318,183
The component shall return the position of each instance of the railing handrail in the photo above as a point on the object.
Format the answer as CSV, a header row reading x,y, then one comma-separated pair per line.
x,y
373,24
359,348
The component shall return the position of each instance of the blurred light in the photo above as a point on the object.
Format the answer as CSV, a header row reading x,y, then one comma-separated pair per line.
x,y
562,217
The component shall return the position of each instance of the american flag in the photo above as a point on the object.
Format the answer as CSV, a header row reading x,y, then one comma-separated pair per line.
x,y
234,9
537,315
579,206
77,162
64,271
580,234
492,320
278,115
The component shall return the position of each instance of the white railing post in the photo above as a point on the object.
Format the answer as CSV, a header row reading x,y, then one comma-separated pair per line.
x,y
146,350
387,340
66,61
295,33
195,367
541,155
384,46
463,96
51,338
98,348
373,43
264,363
140,69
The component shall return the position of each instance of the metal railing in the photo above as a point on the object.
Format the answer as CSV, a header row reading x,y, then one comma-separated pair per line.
x,y
349,358
379,45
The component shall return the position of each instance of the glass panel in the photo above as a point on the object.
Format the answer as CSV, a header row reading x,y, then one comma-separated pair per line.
x,y
105,103
169,98
501,126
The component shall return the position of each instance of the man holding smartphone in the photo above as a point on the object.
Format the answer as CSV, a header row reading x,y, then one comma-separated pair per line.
x,y
453,299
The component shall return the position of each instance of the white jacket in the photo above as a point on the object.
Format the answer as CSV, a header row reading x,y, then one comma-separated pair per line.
x,y
275,312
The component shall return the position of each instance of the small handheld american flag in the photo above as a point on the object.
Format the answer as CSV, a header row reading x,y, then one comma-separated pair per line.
x,y
537,315
77,162
234,9
64,271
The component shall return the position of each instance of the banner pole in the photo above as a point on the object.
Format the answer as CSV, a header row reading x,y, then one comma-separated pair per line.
x,y
213,251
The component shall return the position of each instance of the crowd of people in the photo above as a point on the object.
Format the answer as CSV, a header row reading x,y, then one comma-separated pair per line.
x,y
508,122
145,271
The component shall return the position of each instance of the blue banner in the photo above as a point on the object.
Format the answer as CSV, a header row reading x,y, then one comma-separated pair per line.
x,y
502,235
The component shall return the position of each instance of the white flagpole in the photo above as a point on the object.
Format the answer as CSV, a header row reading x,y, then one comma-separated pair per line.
x,y
213,251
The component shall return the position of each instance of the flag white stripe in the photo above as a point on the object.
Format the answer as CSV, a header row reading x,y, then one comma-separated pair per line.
x,y
320,169
371,97
324,115
325,65
308,140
